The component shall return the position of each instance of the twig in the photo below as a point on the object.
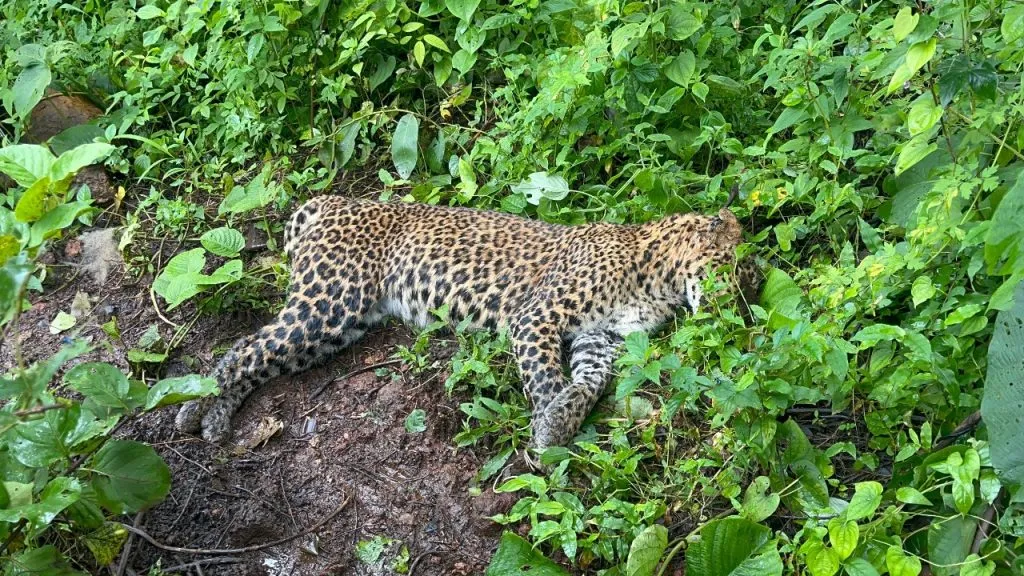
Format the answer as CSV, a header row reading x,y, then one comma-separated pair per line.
x,y
39,410
205,561
217,551
126,552
965,427
986,521
355,372
412,567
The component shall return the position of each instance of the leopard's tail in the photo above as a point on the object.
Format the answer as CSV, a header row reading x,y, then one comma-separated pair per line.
x,y
305,218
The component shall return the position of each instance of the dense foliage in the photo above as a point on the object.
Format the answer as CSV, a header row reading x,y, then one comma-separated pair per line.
x,y
876,150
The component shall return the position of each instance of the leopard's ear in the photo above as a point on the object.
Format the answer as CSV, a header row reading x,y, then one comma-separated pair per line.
x,y
726,227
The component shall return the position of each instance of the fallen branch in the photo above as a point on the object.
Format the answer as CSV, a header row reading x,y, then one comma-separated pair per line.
x,y
216,551
355,372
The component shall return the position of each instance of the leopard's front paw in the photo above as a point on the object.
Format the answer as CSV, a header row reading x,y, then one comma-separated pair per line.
x,y
216,426
190,417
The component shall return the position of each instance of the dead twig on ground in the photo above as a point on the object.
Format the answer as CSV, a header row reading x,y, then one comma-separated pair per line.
x,y
355,372
204,562
217,551
126,552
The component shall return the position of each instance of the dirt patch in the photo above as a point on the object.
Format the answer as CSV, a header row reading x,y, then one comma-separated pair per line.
x,y
410,493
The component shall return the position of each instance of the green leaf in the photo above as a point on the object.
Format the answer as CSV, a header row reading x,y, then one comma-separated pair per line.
x,y
922,290
1013,24
70,162
843,535
866,498
150,11
646,550
904,24
733,547
787,118
177,282
416,421
28,89
223,241
859,567
129,476
102,383
404,149
105,542
822,561
700,90
253,48
515,557
26,163
681,69
436,42
56,220
949,543
757,503
1004,243
959,72
1004,392
53,436
917,56
43,560
32,204
915,150
180,389
259,192
923,115
911,495
62,322
59,493
540,185
900,563
462,9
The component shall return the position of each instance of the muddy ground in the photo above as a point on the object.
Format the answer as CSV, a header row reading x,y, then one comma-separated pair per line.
x,y
349,444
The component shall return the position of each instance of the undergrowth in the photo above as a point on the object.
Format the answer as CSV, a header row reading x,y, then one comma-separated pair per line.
x,y
876,152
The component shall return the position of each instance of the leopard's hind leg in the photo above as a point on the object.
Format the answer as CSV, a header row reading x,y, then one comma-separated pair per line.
x,y
324,314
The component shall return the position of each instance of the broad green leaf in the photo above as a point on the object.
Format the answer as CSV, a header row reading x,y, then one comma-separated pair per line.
x,y
904,24
462,9
56,220
26,163
59,493
646,550
129,476
62,322
822,561
733,547
178,280
259,192
911,495
915,150
150,11
680,70
758,504
875,333
917,56
1004,392
516,557
53,435
1013,24
900,563
102,383
347,145
787,118
404,145
975,565
32,204
180,389
1004,243
859,567
922,289
223,241
70,162
923,115
43,560
866,498
416,421
540,185
436,42
949,543
29,88
843,535
253,48
105,542
419,52
682,21
782,298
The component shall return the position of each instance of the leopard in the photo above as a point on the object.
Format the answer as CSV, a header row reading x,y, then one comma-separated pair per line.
x,y
559,290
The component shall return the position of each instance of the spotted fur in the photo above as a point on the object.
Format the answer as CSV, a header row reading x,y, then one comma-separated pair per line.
x,y
578,289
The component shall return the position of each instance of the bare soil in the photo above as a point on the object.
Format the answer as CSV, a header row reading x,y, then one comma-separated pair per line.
x,y
347,444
